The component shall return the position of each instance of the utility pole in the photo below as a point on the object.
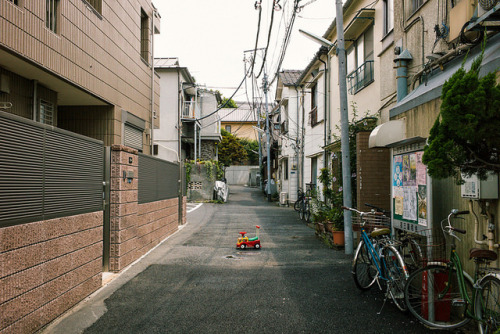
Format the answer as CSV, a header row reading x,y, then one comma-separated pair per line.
x,y
344,128
268,139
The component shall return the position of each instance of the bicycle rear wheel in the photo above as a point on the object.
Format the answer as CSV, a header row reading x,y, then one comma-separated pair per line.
x,y
296,206
301,210
487,305
397,274
412,255
363,271
433,296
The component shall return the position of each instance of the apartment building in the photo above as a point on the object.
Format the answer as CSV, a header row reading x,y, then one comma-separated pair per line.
x,y
76,76
83,66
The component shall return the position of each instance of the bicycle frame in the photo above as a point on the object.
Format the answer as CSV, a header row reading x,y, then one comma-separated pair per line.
x,y
456,263
373,254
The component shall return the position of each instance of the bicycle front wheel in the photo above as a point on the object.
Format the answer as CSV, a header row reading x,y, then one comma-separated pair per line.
x,y
307,212
397,274
364,272
433,296
301,210
487,305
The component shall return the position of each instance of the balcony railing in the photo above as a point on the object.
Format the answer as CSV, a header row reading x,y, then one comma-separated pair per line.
x,y
361,77
190,110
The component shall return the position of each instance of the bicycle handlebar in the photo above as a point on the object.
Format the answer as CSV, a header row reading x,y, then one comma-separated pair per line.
x,y
450,229
361,212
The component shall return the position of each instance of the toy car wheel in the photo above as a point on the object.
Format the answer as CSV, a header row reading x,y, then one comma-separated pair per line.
x,y
243,246
257,246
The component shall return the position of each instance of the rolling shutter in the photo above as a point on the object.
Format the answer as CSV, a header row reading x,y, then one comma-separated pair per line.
x,y
133,137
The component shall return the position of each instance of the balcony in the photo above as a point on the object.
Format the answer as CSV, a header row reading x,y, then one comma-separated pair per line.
x,y
361,77
190,110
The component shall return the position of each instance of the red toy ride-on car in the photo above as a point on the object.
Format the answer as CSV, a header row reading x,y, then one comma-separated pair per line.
x,y
245,242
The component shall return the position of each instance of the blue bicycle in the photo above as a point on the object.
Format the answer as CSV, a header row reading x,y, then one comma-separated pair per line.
x,y
377,259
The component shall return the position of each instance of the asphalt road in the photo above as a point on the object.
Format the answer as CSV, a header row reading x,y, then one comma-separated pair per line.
x,y
198,282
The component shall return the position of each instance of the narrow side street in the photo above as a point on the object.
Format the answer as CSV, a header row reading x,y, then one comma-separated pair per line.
x,y
198,282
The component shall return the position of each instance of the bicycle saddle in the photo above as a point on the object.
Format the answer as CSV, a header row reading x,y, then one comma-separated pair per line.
x,y
482,254
380,231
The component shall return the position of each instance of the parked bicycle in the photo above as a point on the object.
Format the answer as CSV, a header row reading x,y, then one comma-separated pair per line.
x,y
442,295
300,197
405,242
376,259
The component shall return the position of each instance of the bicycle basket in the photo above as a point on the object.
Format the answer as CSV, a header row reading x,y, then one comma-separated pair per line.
x,y
428,245
370,221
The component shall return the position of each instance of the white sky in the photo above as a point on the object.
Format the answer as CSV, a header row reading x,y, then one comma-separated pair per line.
x,y
210,36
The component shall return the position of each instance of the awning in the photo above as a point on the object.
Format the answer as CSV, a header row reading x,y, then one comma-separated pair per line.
x,y
431,88
359,23
388,134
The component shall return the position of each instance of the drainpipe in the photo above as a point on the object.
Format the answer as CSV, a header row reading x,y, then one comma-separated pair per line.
x,y
402,73
195,141
152,77
35,98
325,121
297,141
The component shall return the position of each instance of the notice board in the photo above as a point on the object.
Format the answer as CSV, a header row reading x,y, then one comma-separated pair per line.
x,y
409,191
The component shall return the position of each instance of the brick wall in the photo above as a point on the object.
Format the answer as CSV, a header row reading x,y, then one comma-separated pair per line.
x,y
135,228
47,267
373,174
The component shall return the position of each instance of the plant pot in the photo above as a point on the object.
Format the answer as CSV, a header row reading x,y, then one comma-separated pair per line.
x,y
338,238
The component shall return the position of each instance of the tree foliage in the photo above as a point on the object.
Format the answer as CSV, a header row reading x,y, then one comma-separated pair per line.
x,y
230,149
465,137
252,149
230,103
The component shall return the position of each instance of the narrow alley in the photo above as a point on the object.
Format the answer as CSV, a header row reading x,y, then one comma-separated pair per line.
x,y
198,282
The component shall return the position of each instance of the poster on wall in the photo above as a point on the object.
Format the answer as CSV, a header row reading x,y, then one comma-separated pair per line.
x,y
409,191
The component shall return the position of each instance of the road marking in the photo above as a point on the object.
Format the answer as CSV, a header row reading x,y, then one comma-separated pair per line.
x,y
192,208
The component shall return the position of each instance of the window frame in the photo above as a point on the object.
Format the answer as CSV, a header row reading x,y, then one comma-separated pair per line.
x,y
46,111
388,16
144,37
52,11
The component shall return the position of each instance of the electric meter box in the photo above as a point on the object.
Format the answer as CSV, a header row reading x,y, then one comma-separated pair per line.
x,y
475,188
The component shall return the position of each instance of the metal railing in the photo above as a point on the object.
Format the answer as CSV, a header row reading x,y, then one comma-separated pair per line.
x,y
190,110
361,77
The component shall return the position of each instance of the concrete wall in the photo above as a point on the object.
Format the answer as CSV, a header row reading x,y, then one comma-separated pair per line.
x,y
47,267
239,174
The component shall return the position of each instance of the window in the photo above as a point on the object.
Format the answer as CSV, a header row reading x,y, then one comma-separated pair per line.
x,y
96,4
360,62
133,137
415,5
285,169
52,13
15,2
313,115
388,16
46,114
314,170
144,36
228,128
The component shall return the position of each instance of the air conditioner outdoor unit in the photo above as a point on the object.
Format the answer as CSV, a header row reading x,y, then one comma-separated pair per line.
x,y
283,198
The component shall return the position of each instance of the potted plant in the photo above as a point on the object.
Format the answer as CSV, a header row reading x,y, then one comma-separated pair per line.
x,y
336,217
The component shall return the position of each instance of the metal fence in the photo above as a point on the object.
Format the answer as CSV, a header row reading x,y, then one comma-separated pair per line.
x,y
158,179
46,172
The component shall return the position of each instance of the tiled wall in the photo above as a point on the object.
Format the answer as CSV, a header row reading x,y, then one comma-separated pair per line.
x,y
373,174
97,53
47,267
135,228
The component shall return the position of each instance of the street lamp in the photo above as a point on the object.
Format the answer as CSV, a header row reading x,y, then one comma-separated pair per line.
x,y
344,119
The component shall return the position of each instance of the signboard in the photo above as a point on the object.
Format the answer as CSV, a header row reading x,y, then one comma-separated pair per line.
x,y
409,191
